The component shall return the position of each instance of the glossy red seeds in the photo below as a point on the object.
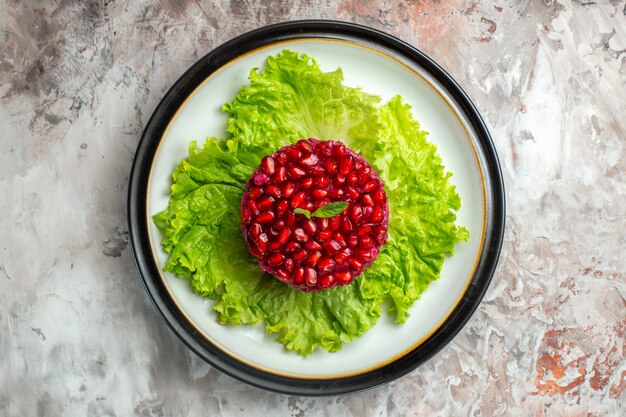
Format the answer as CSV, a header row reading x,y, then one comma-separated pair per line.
x,y
317,253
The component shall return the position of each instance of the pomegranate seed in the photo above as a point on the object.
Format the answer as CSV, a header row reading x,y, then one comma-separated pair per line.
x,y
307,182
366,200
347,225
365,170
356,213
326,264
352,192
366,242
326,281
292,246
339,238
281,175
377,214
298,256
301,235
293,153
296,172
355,263
367,212
332,246
352,241
281,158
358,165
255,192
381,235
304,145
246,217
323,202
268,164
288,189
343,255
352,177
365,229
290,219
280,208
282,274
312,245
261,242
283,236
265,203
311,276
370,185
253,207
255,251
318,194
363,254
310,226
274,246
339,180
313,258
309,206
330,167
289,264
265,217
346,163
297,199
323,223
335,193
255,230
274,191
261,179
343,276
298,276
322,182
317,170
310,160
274,231
363,178
339,150
324,148
379,196
324,234
275,259
334,223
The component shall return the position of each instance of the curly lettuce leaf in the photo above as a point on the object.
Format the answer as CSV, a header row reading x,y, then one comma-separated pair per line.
x,y
292,99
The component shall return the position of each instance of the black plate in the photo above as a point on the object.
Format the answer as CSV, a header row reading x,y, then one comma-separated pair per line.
x,y
138,219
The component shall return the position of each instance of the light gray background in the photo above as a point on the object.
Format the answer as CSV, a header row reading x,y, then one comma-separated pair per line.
x,y
78,81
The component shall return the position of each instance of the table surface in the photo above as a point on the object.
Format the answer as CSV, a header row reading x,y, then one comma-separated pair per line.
x,y
78,82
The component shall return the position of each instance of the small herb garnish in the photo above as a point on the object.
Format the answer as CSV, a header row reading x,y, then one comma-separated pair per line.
x,y
326,211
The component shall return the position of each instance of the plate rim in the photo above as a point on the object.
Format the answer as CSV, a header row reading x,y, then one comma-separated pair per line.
x,y
495,207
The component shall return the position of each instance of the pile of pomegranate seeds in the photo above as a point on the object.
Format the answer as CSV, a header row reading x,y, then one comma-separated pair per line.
x,y
316,253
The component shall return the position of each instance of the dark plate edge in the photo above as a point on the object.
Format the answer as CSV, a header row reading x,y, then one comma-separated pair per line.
x,y
148,269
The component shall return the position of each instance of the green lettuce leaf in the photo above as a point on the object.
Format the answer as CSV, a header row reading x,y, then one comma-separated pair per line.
x,y
289,100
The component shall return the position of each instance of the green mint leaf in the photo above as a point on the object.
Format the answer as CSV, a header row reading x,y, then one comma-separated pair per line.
x,y
307,213
330,209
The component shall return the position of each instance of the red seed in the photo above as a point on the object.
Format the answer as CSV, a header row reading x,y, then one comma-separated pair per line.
x,y
298,256
312,245
310,226
343,255
253,207
313,258
274,246
298,276
283,236
309,206
322,223
343,276
274,191
282,275
365,229
366,200
296,172
326,264
289,264
358,165
334,223
292,246
246,217
335,193
352,192
352,241
307,182
346,163
356,213
317,170
275,259
268,164
274,231
310,160
265,203
377,214
322,182
297,199
323,202
304,145
352,177
288,189
265,217
301,235
318,194
261,242
255,251
281,175
339,238
363,178
339,149
363,254
310,276
370,185
281,207
324,234
379,196
339,180
326,281
330,166
255,230
347,225
255,192
367,212
366,242
355,263
332,246
281,158
290,219
293,153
